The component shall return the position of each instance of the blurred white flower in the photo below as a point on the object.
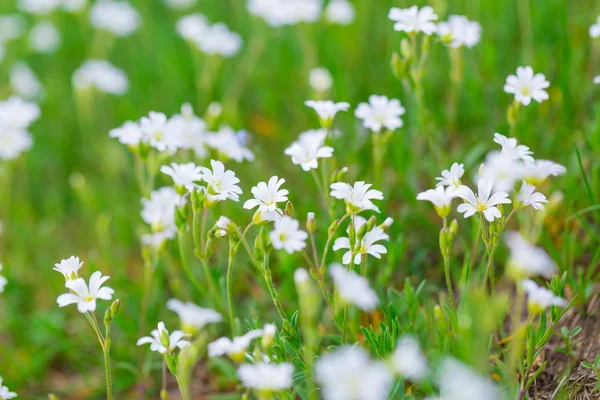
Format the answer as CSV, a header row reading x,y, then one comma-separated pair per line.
x,y
69,267
441,197
5,393
340,12
191,27
221,183
320,79
353,288
193,317
183,175
414,19
174,340
513,150
3,283
17,114
180,4
327,109
367,245
266,377
309,148
101,75
286,234
595,29
526,259
129,134
504,171
155,240
159,210
154,129
528,197
482,202
235,348
408,360
117,17
540,170
38,7
459,31
13,143
189,129
12,26
267,195
349,374
219,40
459,382
357,197
451,178
229,145
24,81
526,86
44,37
285,12
380,112
539,298
85,296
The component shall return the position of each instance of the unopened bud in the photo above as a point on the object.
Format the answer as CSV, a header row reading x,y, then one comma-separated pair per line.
x,y
333,227
269,332
371,223
311,224
289,209
399,66
387,223
453,227
342,174
163,335
405,48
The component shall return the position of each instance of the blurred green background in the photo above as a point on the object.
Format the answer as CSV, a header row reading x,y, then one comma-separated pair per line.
x,y
74,193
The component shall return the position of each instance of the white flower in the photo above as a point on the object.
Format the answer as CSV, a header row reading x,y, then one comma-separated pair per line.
x,y
526,86
367,245
266,377
188,130
309,148
191,27
219,40
451,177
184,175
44,37
353,288
130,133
117,17
597,79
357,197
528,197
267,195
12,26
154,128
225,226
24,81
85,296
155,240
441,197
17,114
193,317
340,12
327,109
526,259
349,374
221,183
38,7
414,19
540,170
380,112
233,348
69,267
159,210
482,202
228,144
408,359
285,12
13,143
595,29
320,79
101,75
3,283
459,382
287,235
513,150
459,31
5,393
503,170
539,298
180,4
175,340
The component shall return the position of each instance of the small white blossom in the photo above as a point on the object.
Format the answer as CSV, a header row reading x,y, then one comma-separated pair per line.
x,y
340,12
482,202
85,296
441,197
309,148
459,382
101,75
159,210
117,17
175,340
286,12
3,283
267,195
235,348
320,79
451,177
221,183
155,240
12,26
353,288
17,114
69,267
38,7
349,374
540,170
380,112
188,130
129,134
24,81
513,150
14,143
327,109
526,259
595,29
527,196
5,393
154,129
357,197
408,360
217,39
526,86
191,27
193,317
414,19
287,235
503,170
44,37
367,245
266,377
597,79
228,144
459,31
184,175
539,298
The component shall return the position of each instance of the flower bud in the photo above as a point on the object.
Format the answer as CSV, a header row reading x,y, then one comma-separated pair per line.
x,y
405,48
269,332
371,223
362,231
341,174
453,227
399,66
163,335
311,224
387,223
289,209
333,227
181,218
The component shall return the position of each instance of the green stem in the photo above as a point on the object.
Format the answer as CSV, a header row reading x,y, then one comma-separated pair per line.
x,y
320,187
107,372
449,280
271,287
182,389
186,265
228,284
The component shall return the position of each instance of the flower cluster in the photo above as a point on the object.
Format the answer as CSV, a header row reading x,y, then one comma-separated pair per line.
x,y
215,39
16,116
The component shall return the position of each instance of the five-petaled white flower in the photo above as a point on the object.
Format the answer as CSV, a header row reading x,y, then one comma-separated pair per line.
x,y
184,175
380,112
287,235
159,210
537,172
221,184
85,296
229,145
193,317
326,110
367,244
357,197
3,282
129,134
153,127
460,382
353,288
414,19
526,259
540,298
266,377
69,267
452,176
163,342
513,150
266,197
350,374
441,197
527,196
459,31
408,360
309,148
526,86
5,393
234,348
482,202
